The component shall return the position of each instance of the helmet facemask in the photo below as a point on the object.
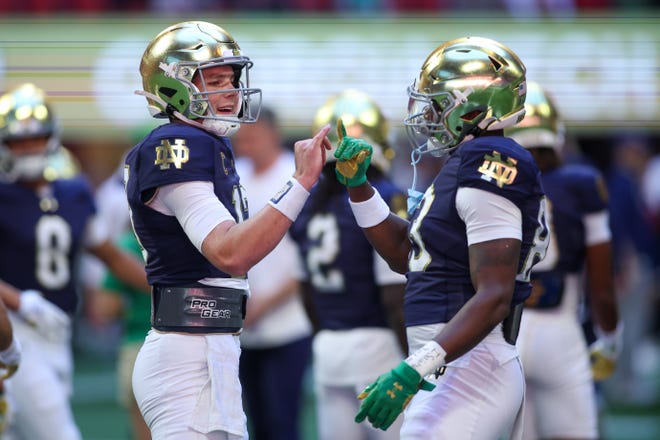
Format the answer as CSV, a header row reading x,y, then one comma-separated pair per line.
x,y
427,119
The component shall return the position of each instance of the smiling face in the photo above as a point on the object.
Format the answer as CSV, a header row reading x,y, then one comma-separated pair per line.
x,y
219,84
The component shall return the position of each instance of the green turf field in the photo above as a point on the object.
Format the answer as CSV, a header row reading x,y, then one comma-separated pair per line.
x,y
100,417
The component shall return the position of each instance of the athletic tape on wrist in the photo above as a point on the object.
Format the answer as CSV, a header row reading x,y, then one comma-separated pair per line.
x,y
370,212
290,199
427,359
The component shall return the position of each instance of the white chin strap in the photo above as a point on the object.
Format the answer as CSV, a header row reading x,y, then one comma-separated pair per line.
x,y
220,128
215,126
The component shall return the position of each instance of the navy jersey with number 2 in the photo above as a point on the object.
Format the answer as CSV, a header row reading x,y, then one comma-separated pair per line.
x,y
439,281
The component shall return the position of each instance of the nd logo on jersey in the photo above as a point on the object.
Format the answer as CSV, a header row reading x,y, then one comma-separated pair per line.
x,y
496,168
167,154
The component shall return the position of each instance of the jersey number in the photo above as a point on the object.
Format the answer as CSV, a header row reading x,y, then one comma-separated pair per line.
x,y
53,236
323,230
542,238
419,257
240,203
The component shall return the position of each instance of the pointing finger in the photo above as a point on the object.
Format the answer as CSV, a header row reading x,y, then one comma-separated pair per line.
x,y
341,130
322,132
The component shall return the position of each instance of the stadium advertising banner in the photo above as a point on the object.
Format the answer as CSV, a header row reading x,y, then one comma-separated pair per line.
x,y
603,71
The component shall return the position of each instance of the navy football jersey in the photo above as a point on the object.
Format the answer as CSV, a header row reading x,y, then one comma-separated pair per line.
x,y
43,237
176,153
438,275
339,261
573,191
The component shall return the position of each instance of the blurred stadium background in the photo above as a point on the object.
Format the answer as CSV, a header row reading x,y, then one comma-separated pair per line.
x,y
599,58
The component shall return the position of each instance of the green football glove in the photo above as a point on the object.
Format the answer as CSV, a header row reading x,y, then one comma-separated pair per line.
x,y
353,158
385,399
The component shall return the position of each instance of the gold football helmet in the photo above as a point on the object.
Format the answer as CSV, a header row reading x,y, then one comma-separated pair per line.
x,y
541,127
176,56
362,118
25,114
465,86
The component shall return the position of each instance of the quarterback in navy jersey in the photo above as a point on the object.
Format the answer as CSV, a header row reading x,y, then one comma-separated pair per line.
x,y
467,250
171,257
190,215
353,298
45,225
560,393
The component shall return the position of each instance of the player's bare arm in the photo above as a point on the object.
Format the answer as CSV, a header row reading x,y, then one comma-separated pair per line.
x,y
10,296
126,267
601,288
386,232
493,267
6,332
236,247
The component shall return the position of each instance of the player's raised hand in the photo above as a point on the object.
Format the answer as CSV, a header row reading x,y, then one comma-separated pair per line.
x,y
353,158
310,157
385,399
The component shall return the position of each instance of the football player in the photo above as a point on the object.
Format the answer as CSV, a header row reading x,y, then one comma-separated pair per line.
x,y
189,212
467,250
353,298
45,224
560,394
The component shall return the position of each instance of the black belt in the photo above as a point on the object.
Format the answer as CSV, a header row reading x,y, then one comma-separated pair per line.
x,y
198,309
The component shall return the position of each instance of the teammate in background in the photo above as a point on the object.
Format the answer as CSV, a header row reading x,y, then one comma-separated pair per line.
x,y
190,214
467,250
44,228
560,401
353,298
132,307
276,339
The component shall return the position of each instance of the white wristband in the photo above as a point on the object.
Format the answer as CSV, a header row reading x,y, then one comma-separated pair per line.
x,y
613,338
370,212
427,359
290,199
